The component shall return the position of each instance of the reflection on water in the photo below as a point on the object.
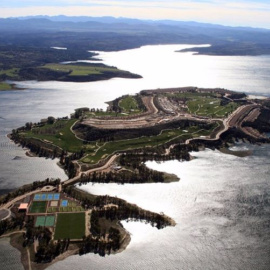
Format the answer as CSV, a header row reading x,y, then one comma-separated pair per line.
x,y
221,204
222,209
17,169
10,257
160,66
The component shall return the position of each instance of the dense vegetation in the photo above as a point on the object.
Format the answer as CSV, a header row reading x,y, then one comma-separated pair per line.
x,y
27,188
138,174
28,63
262,123
92,133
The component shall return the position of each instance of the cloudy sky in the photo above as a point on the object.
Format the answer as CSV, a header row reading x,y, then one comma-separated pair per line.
x,y
236,13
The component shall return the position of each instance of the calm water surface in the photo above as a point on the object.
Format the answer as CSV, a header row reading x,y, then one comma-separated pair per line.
x,y
222,209
221,204
10,256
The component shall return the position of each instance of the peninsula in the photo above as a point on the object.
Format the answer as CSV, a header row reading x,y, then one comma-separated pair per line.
x,y
50,220
53,64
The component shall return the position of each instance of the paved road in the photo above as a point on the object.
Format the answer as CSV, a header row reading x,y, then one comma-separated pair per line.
x,y
236,118
104,167
10,203
4,214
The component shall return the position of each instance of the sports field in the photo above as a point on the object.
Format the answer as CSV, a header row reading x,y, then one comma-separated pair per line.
x,y
46,197
70,226
49,221
38,207
45,221
40,221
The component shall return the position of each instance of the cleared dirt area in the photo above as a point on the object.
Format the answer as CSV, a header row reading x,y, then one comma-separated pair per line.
x,y
148,118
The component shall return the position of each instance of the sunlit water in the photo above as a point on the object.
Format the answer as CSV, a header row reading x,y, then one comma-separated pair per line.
x,y
221,204
10,256
222,214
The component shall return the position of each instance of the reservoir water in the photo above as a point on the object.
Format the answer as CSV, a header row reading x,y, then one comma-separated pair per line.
x,y
221,205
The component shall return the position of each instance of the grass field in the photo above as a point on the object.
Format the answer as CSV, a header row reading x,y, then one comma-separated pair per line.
x,y
129,103
5,86
52,209
70,226
38,207
80,70
210,107
167,135
71,208
206,104
10,72
59,134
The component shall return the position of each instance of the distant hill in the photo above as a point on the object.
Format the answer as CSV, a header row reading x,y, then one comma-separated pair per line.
x,y
110,34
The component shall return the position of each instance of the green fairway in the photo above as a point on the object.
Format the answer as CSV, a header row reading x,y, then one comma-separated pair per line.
x,y
70,226
210,107
206,104
38,207
59,134
80,70
128,104
151,141
13,72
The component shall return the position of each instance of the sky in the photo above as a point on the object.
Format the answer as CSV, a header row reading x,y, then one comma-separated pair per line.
x,y
234,13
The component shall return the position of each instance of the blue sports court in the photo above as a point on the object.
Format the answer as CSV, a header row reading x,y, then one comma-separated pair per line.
x,y
47,197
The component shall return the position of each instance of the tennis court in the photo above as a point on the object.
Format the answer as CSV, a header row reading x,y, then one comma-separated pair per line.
x,y
47,197
45,221
49,221
64,203
56,196
54,203
40,221
37,197
38,207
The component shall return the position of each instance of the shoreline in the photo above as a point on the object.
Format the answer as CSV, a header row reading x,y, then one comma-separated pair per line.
x,y
219,139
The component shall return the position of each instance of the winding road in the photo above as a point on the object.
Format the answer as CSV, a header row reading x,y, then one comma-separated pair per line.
x,y
236,119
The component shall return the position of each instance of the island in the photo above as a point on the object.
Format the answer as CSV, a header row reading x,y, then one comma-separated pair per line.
x,y
50,220
53,64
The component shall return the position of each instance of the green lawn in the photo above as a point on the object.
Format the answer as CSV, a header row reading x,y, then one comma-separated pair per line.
x,y
104,113
80,70
210,107
167,135
59,134
10,72
5,86
38,207
191,95
52,209
129,103
205,104
70,226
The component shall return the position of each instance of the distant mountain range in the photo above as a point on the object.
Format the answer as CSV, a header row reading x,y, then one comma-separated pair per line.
x,y
108,33
108,19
